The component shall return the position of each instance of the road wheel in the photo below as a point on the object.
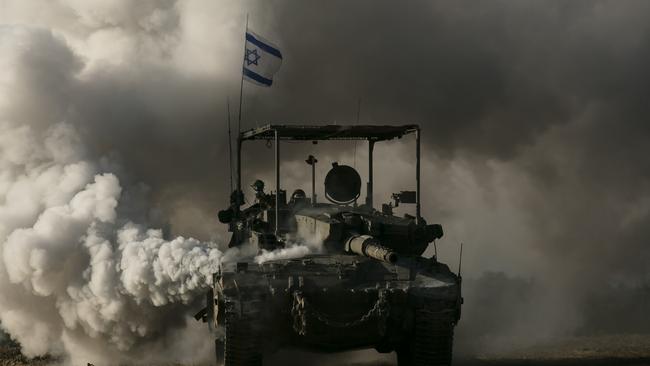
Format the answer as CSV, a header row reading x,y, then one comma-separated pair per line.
x,y
241,346
430,344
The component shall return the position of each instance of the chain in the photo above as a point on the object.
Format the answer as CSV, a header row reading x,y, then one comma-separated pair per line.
x,y
299,313
380,310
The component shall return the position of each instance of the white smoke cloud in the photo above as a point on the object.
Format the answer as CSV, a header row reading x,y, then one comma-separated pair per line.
x,y
78,277
73,261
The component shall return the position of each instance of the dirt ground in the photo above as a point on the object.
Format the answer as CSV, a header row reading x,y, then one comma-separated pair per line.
x,y
631,350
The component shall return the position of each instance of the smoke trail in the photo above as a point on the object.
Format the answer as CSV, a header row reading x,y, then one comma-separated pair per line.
x,y
291,250
295,251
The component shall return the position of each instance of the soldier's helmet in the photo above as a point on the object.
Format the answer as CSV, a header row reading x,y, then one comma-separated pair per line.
x,y
297,195
258,186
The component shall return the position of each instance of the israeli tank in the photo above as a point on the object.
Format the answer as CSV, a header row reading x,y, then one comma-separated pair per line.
x,y
366,285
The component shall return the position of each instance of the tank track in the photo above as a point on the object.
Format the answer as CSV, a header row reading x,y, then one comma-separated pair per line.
x,y
242,344
431,342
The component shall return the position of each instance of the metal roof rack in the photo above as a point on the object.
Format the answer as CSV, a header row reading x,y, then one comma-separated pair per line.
x,y
328,132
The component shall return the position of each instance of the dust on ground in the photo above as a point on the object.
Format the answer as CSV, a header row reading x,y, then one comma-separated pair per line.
x,y
629,349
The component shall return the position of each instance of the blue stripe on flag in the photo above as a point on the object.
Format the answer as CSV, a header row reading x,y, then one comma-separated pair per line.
x,y
257,77
270,49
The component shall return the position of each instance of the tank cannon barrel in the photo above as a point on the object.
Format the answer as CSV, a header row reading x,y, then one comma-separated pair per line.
x,y
368,246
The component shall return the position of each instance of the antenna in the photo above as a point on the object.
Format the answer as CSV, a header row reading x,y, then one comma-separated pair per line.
x,y
460,259
229,142
311,160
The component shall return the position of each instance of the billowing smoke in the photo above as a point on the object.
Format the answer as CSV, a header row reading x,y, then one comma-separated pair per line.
x,y
82,274
76,270
112,122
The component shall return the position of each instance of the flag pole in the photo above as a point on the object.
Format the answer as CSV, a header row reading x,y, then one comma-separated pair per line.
x,y
356,123
241,84
239,198
229,142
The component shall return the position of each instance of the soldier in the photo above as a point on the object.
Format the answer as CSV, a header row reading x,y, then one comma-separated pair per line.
x,y
261,198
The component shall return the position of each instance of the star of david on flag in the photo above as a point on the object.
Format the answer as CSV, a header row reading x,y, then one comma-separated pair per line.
x,y
262,60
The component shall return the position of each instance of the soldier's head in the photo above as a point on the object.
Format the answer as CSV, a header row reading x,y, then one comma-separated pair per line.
x,y
258,186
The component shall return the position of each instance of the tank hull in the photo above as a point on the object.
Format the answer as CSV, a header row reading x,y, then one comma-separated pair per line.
x,y
335,303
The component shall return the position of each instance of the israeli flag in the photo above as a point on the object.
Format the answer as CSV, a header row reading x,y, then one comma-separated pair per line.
x,y
262,59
